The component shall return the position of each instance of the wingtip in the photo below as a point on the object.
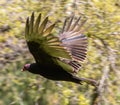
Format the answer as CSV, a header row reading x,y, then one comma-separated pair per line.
x,y
64,26
32,16
36,25
33,13
47,18
27,27
39,15
43,25
27,20
70,23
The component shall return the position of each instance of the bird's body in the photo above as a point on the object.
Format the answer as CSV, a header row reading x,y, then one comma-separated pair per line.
x,y
53,72
57,58
49,69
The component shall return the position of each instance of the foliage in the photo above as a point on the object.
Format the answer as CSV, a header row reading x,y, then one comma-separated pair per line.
x,y
102,63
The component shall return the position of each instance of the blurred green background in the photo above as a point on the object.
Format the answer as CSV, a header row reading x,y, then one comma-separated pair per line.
x,y
102,63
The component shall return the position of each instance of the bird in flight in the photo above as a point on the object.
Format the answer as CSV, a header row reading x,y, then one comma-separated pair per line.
x,y
57,57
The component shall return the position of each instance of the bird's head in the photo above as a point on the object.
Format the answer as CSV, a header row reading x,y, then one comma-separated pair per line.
x,y
26,67
33,68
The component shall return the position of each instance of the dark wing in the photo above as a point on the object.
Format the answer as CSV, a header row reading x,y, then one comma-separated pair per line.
x,y
41,42
75,41
69,49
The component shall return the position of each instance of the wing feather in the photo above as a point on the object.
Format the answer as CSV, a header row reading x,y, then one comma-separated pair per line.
x,y
48,30
31,23
75,24
68,50
75,42
41,42
27,28
43,25
37,23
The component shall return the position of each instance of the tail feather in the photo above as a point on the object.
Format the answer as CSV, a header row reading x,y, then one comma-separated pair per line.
x,y
86,80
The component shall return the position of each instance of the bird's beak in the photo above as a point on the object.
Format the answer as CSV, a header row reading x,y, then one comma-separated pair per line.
x,y
22,69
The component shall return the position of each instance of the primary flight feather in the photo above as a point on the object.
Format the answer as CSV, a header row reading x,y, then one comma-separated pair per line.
x,y
57,57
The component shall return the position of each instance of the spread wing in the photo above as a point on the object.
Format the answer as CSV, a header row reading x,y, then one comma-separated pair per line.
x,y
75,41
68,49
41,43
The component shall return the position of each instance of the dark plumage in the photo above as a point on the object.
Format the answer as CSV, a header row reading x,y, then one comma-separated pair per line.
x,y
53,72
57,58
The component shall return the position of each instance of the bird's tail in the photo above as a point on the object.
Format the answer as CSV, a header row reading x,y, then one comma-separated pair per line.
x,y
86,80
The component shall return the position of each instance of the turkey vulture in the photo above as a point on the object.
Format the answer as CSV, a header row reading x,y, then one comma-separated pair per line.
x,y
57,57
